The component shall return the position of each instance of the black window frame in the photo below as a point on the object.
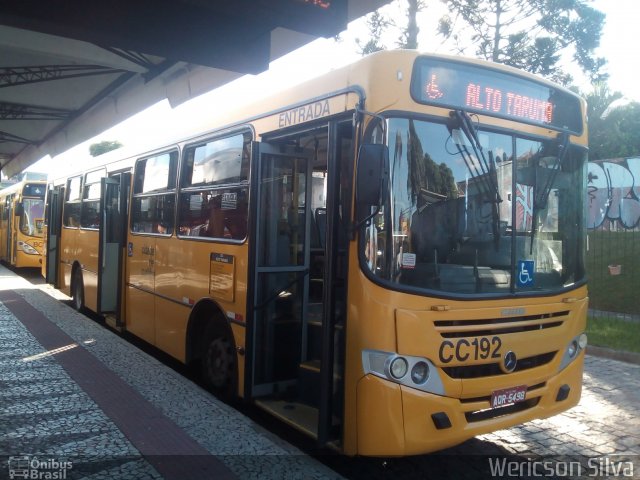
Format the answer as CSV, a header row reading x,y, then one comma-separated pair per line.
x,y
157,225
76,202
233,191
90,181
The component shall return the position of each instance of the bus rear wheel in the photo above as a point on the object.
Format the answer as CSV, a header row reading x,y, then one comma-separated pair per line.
x,y
219,365
77,292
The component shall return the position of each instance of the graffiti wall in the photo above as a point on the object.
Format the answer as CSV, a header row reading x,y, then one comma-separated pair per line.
x,y
613,193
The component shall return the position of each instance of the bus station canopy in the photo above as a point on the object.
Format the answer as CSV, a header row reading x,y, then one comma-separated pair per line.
x,y
70,69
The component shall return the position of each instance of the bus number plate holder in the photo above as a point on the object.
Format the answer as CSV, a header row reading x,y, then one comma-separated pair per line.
x,y
508,396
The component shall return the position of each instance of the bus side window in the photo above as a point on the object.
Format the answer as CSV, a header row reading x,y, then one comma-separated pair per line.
x,y
72,214
214,214
90,215
90,210
72,204
214,175
153,206
193,217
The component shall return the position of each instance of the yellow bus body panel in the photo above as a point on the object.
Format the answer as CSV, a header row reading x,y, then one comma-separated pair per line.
x,y
166,278
392,321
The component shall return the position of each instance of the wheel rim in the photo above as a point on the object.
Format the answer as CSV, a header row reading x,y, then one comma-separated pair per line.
x,y
219,362
77,294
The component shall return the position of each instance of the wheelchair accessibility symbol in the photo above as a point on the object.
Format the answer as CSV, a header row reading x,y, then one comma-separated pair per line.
x,y
525,273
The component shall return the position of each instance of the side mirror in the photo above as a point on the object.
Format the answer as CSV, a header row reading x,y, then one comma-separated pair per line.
x,y
19,209
372,174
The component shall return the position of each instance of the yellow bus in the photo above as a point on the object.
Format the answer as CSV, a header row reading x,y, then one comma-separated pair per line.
x,y
389,258
21,223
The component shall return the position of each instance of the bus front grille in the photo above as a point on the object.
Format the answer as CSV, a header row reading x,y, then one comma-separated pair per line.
x,y
498,326
493,369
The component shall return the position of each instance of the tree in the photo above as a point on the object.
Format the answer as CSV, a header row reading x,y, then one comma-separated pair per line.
x,y
105,146
409,36
530,35
376,23
614,125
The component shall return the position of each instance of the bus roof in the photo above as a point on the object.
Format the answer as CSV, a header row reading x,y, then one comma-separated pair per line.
x,y
369,76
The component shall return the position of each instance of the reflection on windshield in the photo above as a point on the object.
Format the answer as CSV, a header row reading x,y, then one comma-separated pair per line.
x,y
31,222
478,212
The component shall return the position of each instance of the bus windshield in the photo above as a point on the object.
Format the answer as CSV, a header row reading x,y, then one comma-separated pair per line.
x,y
473,210
31,221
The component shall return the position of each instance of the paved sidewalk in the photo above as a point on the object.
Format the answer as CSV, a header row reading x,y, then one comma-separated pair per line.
x,y
605,422
45,413
601,434
76,397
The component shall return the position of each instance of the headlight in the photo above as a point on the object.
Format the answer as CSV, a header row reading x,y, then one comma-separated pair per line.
x,y
573,349
582,341
398,367
423,375
420,373
26,248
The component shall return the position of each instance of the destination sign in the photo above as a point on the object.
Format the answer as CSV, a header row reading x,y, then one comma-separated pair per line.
x,y
476,89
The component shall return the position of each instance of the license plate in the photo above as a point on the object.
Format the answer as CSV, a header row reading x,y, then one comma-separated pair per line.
x,y
508,396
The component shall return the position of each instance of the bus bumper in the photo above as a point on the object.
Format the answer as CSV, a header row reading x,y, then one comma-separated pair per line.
x,y
395,420
27,260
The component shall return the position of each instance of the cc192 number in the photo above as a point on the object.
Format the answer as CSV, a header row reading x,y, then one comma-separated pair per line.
x,y
479,348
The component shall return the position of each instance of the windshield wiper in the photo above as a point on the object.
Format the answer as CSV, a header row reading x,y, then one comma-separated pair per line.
x,y
541,197
483,171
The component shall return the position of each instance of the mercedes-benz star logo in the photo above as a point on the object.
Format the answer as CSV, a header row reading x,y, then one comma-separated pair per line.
x,y
509,362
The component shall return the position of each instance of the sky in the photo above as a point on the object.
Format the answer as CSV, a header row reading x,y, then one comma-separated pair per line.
x,y
617,46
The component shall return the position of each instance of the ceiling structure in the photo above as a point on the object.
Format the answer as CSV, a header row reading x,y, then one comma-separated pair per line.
x,y
70,69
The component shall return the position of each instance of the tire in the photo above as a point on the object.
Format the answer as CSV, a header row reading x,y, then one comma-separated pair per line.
x,y
219,365
77,291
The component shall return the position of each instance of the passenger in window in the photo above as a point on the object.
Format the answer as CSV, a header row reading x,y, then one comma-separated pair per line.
x,y
237,226
216,218
227,216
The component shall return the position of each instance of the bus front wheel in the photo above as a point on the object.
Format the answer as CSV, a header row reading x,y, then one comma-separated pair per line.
x,y
77,293
219,365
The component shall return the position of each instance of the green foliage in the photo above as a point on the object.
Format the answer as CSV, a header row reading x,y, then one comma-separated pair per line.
x,y
99,148
532,35
376,23
613,293
614,333
528,34
409,36
614,125
618,134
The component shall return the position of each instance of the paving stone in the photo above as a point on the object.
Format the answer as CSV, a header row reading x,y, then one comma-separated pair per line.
x,y
46,413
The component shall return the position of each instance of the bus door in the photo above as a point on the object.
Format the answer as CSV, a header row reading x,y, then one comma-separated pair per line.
x,y
55,199
280,303
291,335
113,210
